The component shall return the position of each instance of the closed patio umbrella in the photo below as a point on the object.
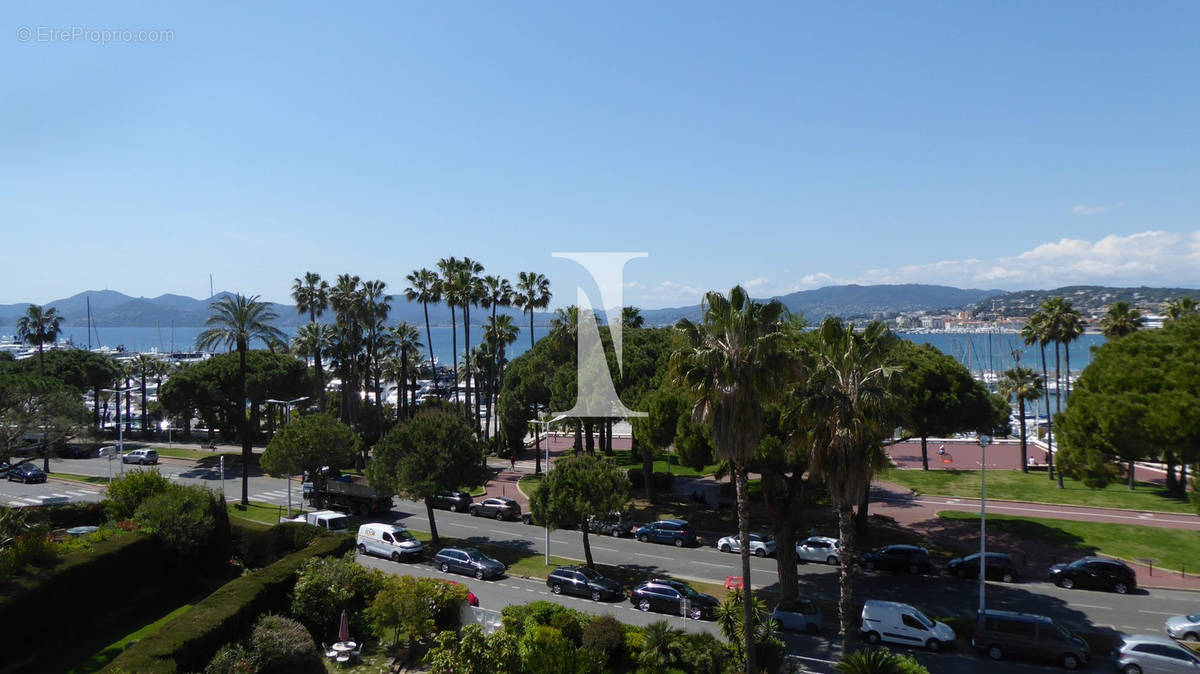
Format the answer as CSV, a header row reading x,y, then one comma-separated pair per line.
x,y
344,628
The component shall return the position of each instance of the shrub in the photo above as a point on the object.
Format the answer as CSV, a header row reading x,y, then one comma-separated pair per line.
x,y
184,519
232,659
879,661
327,585
129,491
415,608
545,649
280,644
515,618
569,625
258,546
605,636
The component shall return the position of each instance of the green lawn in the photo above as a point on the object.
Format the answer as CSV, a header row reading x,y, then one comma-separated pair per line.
x,y
1036,487
624,459
262,513
108,653
89,479
1172,548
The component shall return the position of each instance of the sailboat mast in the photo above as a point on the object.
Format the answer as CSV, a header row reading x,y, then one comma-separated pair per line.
x,y
89,321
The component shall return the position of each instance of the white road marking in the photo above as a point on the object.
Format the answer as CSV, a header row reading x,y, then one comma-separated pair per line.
x,y
61,495
642,554
1157,612
1106,608
30,500
719,566
597,547
16,503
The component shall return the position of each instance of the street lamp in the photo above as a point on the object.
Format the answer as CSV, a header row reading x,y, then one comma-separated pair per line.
x,y
287,419
537,431
120,428
984,441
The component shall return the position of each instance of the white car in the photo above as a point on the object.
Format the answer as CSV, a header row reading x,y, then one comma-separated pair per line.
x,y
820,549
760,545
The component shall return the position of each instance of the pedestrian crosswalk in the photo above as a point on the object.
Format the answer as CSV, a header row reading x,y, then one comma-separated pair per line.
x,y
278,494
69,494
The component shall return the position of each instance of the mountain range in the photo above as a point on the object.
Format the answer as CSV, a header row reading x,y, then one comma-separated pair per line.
x,y
110,308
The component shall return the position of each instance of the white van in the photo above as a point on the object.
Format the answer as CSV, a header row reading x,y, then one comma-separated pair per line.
x,y
332,520
903,624
387,540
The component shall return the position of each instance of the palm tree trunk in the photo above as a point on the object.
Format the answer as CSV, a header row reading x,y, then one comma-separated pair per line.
x,y
320,374
145,419
467,361
1024,447
743,498
96,407
247,447
925,452
1067,357
1131,475
454,345
587,544
1058,388
785,516
1049,420
128,406
537,436
433,534
846,617
648,471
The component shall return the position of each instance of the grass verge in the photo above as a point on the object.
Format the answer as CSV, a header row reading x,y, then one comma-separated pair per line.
x,y
663,463
106,654
1036,487
87,479
1170,548
259,512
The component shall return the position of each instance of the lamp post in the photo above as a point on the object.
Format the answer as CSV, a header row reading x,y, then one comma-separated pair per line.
x,y
120,428
984,441
537,431
287,418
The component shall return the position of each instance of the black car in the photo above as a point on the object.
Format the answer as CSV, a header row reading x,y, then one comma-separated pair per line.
x,y
26,472
672,596
498,507
613,524
996,566
454,501
469,561
908,558
4,468
1095,573
676,532
583,582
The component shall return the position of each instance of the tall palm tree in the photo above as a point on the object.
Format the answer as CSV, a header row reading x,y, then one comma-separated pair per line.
x,y
852,380
311,295
734,361
236,321
376,304
404,341
346,301
145,366
424,287
631,317
473,296
1121,320
1035,331
1056,310
1179,308
1023,385
454,286
1070,329
500,333
533,293
497,292
39,327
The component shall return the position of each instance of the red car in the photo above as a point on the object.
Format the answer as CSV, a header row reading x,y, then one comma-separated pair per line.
x,y
472,600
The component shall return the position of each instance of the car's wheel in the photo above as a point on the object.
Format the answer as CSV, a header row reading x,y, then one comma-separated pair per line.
x,y
1131,669
679,542
478,574
362,549
556,588
914,569
995,652
474,512
1070,661
872,638
499,514
644,605
444,567
725,547
695,614
453,508
869,566
643,538
1008,577
760,553
396,556
933,645
614,532
1191,636
1120,588
831,560
1066,583
595,595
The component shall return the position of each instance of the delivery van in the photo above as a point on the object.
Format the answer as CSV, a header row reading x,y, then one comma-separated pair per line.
x,y
388,540
903,624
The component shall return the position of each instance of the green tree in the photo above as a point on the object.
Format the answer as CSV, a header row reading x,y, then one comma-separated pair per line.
x,y
500,333
939,395
188,520
578,487
235,322
127,492
280,644
311,295
328,585
39,327
854,396
1021,384
1121,320
41,407
307,444
404,341
1037,330
435,451
764,636
1178,308
533,293
424,287
735,361
879,661
666,409
411,609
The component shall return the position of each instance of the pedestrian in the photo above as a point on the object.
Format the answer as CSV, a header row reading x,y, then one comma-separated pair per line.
x,y
941,450
512,461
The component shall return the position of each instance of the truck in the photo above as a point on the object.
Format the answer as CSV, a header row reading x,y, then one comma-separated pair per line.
x,y
347,492
326,519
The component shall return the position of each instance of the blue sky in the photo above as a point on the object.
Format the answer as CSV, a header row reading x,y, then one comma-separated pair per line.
x,y
781,145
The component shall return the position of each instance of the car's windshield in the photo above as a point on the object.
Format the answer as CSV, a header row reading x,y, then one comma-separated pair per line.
x,y
403,535
924,621
338,523
477,556
590,574
1195,617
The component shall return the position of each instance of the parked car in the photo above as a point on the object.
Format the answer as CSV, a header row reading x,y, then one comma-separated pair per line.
x,y
1096,573
672,596
820,549
761,545
1036,637
908,558
4,468
1143,653
469,561
1186,627
903,624
676,532
583,581
499,507
472,600
74,451
387,540
797,615
140,457
613,524
26,472
454,501
996,566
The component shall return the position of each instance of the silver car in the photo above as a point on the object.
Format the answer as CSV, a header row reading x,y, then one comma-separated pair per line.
x,y
1146,654
820,549
1185,627
761,545
797,615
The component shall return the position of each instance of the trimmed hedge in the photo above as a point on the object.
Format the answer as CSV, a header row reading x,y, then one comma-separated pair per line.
x,y
258,546
189,641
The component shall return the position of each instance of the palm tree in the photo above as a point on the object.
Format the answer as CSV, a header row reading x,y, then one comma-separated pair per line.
x,y
1056,310
236,321
404,340
454,287
346,301
1179,308
631,317
851,377
500,333
312,297
733,362
39,327
533,292
375,307
424,287
1070,329
1023,385
1121,320
497,292
473,295
1035,331
145,366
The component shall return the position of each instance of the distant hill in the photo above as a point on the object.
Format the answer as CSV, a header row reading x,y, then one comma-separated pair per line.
x,y
1090,300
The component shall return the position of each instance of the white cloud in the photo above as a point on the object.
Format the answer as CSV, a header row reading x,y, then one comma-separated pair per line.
x,y
1081,209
